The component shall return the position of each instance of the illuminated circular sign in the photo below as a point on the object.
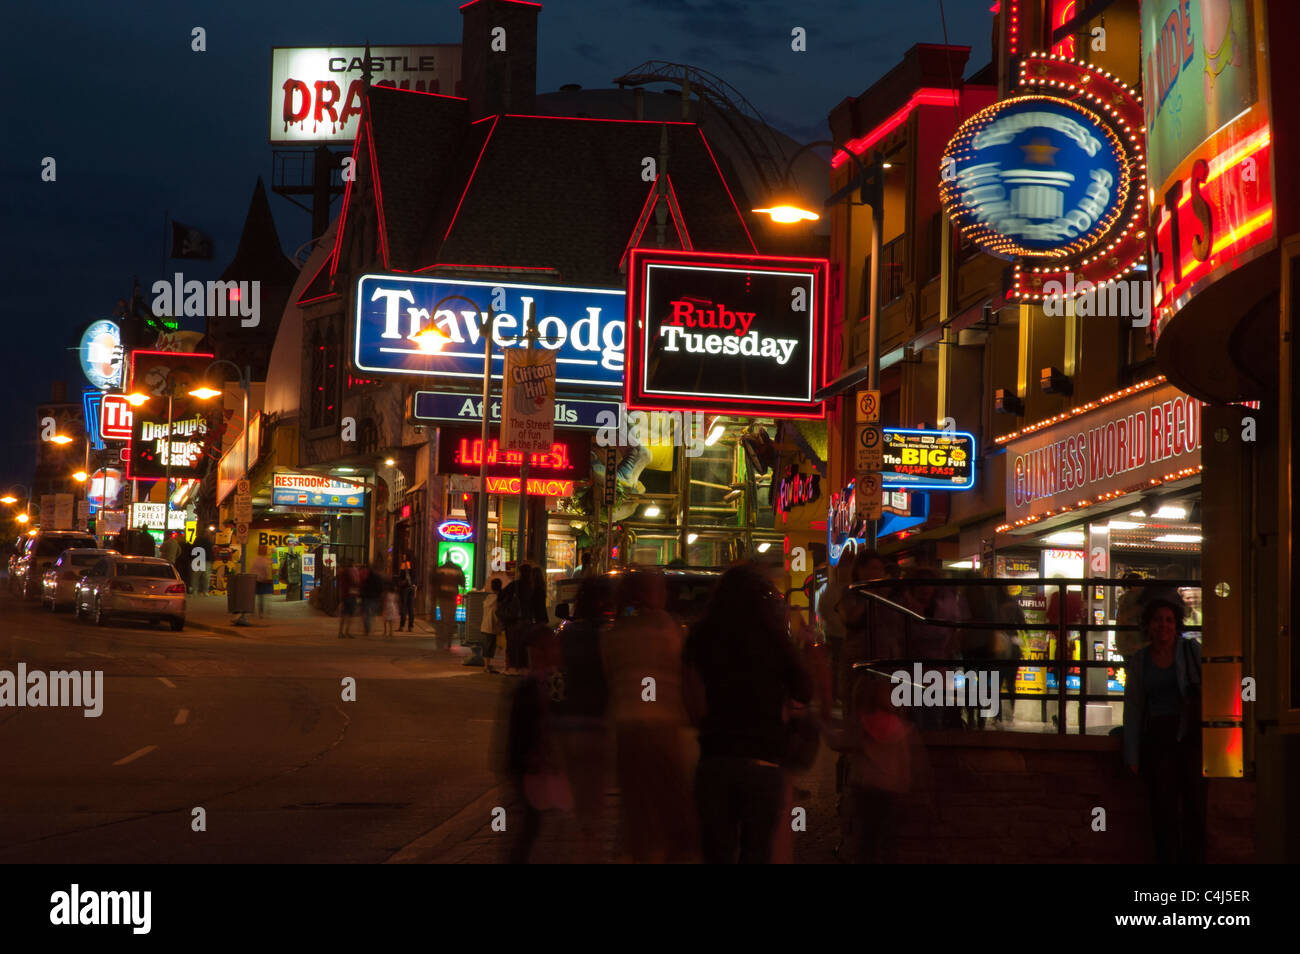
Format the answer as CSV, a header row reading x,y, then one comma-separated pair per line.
x,y
101,354
455,530
1035,177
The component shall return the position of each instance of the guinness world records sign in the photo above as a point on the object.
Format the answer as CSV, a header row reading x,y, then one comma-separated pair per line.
x,y
1053,178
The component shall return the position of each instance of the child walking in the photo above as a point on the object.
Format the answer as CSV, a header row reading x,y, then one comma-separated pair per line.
x,y
390,607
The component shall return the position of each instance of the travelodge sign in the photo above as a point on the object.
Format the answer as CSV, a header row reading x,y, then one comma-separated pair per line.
x,y
583,326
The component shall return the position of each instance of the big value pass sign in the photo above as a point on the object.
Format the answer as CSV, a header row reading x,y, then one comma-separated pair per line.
x,y
725,333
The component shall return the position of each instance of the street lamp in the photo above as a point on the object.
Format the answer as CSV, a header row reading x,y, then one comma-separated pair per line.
x,y
872,192
431,341
787,208
203,392
10,499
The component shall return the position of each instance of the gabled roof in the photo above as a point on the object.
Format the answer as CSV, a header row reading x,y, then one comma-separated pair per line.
x,y
525,191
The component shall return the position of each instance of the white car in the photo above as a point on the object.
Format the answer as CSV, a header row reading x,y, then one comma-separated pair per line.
x,y
131,586
59,585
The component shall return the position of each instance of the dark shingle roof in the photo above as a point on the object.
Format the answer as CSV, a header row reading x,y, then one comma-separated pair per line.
x,y
531,190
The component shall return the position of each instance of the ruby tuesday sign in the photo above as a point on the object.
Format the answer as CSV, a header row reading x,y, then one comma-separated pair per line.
x,y
725,333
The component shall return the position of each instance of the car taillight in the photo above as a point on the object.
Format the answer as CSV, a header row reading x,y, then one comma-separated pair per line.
x,y
176,588
121,585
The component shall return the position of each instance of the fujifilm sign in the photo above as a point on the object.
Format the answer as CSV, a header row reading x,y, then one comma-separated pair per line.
x,y
585,327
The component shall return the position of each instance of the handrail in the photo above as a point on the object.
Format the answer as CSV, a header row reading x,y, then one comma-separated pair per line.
x,y
1058,661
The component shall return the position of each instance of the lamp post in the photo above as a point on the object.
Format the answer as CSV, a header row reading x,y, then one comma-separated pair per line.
x,y
9,498
431,341
786,209
245,375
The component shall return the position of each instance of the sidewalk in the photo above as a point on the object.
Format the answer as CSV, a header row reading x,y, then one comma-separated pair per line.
x,y
298,620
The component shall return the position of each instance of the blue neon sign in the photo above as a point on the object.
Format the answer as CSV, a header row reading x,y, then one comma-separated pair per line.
x,y
927,460
585,327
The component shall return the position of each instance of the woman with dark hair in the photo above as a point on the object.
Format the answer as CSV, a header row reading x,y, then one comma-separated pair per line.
x,y
1162,732
740,671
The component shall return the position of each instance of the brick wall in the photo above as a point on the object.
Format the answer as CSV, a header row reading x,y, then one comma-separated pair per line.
x,y
1009,797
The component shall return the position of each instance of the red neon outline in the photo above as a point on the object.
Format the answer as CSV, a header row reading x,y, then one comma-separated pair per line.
x,y
470,181
634,352
129,443
679,220
522,3
421,92
718,169
379,198
926,96
499,268
343,213
642,221
598,119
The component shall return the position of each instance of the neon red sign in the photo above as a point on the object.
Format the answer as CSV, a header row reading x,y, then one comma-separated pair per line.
x,y
537,486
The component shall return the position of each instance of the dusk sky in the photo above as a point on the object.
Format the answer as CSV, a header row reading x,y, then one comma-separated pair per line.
x,y
138,124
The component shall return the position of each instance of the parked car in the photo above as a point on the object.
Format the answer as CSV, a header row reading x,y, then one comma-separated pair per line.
x,y
131,586
59,585
39,551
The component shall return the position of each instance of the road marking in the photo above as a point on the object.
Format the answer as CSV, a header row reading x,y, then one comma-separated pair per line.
x,y
167,682
182,717
138,753
105,655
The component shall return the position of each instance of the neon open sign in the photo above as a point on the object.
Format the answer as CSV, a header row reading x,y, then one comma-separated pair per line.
x,y
457,530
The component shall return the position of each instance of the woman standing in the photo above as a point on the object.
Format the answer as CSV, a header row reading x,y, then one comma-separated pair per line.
x,y
1162,732
740,671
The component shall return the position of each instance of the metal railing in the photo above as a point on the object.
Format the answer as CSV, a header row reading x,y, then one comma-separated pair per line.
x,y
1060,661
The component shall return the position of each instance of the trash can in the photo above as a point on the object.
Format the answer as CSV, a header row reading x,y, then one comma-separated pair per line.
x,y
473,632
241,593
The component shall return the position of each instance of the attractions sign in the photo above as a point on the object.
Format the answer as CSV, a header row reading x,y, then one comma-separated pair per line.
x,y
928,460
1205,68
585,327
468,408
317,92
730,334
1052,178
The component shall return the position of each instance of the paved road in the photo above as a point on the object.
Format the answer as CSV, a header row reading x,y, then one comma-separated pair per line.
x,y
254,732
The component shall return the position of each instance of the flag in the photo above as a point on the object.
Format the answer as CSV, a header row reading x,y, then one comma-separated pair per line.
x,y
189,242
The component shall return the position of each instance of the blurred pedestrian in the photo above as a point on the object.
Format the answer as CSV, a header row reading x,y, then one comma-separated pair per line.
x,y
642,653
510,611
390,607
740,671
489,623
533,761
372,593
406,596
261,570
350,597
203,578
1010,647
881,749
578,709
1162,732
449,581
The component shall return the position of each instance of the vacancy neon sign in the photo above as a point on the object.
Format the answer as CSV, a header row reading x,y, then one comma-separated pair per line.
x,y
537,486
